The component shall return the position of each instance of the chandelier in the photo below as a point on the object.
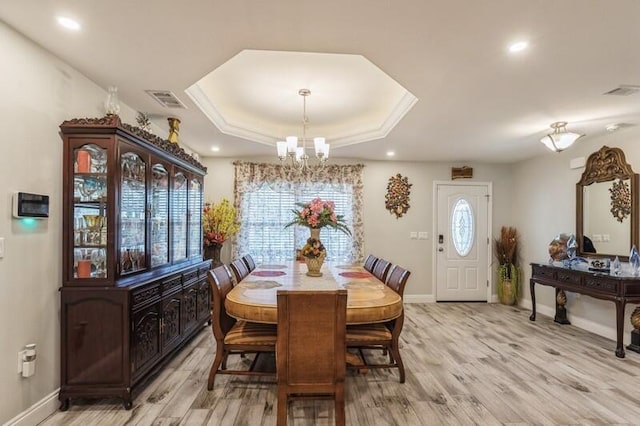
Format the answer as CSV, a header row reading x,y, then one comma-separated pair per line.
x,y
297,154
560,139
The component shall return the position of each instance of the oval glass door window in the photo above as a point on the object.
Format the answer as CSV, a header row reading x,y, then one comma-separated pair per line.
x,y
462,230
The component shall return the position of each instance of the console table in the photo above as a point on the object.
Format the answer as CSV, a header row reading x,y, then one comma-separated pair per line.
x,y
620,289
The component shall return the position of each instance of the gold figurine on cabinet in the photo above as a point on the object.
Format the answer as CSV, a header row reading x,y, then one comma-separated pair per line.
x,y
174,129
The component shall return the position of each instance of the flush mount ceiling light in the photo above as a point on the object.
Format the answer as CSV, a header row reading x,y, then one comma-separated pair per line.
x,y
560,139
518,47
298,154
68,23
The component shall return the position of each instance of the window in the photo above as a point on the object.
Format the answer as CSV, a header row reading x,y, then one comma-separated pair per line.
x,y
265,195
462,232
266,211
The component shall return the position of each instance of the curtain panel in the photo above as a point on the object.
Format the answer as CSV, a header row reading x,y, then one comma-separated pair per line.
x,y
251,176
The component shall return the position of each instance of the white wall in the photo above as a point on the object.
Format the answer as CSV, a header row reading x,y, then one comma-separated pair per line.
x,y
37,93
544,205
386,236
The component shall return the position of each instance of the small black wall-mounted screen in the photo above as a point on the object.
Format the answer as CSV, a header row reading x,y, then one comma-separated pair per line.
x,y
30,205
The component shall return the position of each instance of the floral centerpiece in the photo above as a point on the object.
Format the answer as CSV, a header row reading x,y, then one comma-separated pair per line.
x,y
218,224
317,214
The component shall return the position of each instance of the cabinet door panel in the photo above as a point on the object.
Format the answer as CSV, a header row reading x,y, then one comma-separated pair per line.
x,y
89,210
146,338
133,211
190,305
179,222
159,214
195,218
204,301
171,321
95,351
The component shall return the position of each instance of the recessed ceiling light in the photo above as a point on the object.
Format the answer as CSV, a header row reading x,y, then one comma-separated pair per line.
x,y
215,148
68,23
518,47
390,153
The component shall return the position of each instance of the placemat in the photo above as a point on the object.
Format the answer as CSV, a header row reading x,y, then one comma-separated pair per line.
x,y
355,274
268,273
269,266
347,266
260,284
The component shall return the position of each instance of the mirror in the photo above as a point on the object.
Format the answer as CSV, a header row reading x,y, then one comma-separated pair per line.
x,y
607,206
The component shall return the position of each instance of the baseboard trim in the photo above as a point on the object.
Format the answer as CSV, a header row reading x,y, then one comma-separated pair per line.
x,y
37,412
419,298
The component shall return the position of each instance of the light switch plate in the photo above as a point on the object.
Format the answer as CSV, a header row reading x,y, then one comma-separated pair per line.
x,y
423,235
413,235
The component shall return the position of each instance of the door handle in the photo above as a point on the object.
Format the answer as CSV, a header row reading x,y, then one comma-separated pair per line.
x,y
440,249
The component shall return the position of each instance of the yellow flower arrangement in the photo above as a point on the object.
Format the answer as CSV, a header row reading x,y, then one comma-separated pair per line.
x,y
218,222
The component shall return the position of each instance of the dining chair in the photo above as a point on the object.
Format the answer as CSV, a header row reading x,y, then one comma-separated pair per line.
x,y
380,269
384,336
370,262
310,349
397,279
233,336
248,260
239,269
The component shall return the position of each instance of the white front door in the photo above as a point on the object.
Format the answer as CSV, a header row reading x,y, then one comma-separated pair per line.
x,y
462,242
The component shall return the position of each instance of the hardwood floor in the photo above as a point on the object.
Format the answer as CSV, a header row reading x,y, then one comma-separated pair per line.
x,y
466,364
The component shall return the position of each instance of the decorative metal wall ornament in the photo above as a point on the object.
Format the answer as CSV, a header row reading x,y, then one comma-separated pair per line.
x,y
397,197
620,200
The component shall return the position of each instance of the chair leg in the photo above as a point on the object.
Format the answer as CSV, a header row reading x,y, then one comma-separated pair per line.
x,y
339,406
394,352
282,407
220,356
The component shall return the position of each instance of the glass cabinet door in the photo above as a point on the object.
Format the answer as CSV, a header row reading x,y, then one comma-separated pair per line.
x,y
89,212
133,196
179,217
195,216
159,215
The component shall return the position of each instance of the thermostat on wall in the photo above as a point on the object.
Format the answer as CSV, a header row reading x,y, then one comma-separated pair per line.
x,y
30,205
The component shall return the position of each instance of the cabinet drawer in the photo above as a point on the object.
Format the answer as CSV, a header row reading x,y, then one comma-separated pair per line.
x,y
601,284
570,278
145,295
189,276
202,272
172,284
543,272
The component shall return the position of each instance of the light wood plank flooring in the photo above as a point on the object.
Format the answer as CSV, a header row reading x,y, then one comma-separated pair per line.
x,y
466,364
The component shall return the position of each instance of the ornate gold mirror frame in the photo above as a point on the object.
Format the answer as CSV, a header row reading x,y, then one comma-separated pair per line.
x,y
609,165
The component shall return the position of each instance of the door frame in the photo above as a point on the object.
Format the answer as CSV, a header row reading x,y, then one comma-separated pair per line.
x,y
434,249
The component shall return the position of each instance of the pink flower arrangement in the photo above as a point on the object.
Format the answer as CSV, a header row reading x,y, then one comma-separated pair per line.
x,y
317,214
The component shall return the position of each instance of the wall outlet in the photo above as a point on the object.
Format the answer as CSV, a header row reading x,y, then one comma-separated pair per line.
x,y
423,235
413,235
606,238
596,238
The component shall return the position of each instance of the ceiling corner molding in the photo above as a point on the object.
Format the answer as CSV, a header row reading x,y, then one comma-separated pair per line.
x,y
203,102
403,106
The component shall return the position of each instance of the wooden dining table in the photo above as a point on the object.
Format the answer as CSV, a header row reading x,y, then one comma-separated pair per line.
x,y
368,301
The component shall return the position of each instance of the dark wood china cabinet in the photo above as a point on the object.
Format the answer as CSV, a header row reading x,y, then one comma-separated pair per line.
x,y
134,282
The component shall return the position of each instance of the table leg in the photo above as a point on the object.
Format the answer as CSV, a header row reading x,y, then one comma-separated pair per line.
x,y
619,327
561,309
532,285
355,360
